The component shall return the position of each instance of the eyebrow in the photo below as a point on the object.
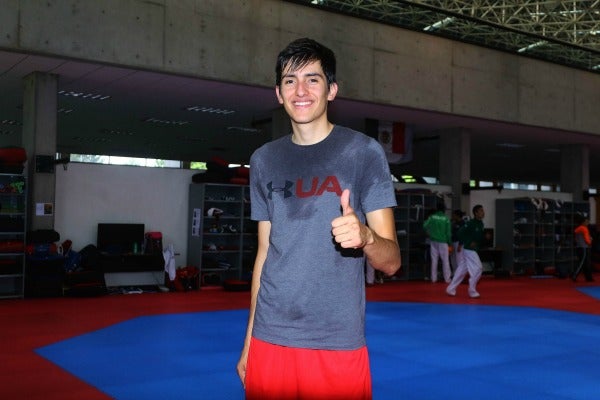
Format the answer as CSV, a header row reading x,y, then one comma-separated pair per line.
x,y
309,74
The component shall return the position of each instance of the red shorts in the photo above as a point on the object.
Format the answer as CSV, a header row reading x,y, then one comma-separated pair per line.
x,y
283,373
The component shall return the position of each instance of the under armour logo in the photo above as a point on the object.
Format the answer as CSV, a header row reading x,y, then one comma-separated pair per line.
x,y
286,189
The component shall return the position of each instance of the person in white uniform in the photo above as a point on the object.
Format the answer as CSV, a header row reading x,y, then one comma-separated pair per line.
x,y
470,237
437,226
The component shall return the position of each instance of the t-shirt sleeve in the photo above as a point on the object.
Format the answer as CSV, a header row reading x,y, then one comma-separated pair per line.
x,y
378,187
258,202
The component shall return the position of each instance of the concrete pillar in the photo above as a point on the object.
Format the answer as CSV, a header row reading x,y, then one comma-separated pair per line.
x,y
39,139
455,164
575,170
281,125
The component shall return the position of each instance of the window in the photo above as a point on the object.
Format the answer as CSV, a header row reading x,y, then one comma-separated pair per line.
x,y
117,160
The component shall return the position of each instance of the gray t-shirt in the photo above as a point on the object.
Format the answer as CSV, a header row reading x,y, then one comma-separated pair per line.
x,y
312,292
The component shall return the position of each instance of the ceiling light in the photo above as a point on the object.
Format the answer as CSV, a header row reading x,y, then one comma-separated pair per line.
x,y
90,139
510,145
64,110
440,24
532,46
242,129
191,139
210,110
408,179
83,95
116,132
165,121
10,122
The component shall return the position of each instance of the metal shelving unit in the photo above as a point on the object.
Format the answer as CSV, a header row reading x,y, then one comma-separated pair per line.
x,y
13,223
222,240
412,209
534,237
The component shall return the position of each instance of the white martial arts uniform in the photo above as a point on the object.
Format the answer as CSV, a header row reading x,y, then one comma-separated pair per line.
x,y
468,262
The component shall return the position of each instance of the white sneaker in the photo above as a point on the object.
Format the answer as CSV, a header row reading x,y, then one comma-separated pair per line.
x,y
474,295
450,292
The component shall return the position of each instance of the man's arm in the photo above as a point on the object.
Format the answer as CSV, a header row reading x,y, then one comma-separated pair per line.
x,y
383,253
378,240
587,237
264,230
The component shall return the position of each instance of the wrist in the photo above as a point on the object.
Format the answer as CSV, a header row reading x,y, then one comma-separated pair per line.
x,y
369,238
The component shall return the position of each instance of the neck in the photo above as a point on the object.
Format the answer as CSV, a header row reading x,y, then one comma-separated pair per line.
x,y
307,134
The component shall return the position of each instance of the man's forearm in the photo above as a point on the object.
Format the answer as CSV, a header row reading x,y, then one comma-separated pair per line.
x,y
383,254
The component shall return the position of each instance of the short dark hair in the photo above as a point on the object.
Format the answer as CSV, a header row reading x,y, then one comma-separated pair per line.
x,y
579,218
477,208
301,52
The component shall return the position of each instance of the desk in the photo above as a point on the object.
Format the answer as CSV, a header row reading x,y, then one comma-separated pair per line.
x,y
130,262
133,269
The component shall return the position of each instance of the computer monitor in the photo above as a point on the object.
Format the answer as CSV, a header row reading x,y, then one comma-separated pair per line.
x,y
118,238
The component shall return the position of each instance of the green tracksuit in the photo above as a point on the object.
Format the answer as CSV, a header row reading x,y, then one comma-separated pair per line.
x,y
471,234
438,228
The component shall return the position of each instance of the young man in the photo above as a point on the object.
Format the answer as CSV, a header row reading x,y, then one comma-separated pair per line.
x,y
323,198
457,221
583,244
470,237
438,229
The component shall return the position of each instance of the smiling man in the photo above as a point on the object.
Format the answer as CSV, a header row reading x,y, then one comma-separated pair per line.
x,y
323,198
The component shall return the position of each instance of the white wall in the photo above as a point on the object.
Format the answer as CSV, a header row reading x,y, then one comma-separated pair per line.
x,y
87,194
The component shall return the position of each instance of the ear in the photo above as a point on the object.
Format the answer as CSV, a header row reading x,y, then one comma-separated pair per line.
x,y
279,98
333,89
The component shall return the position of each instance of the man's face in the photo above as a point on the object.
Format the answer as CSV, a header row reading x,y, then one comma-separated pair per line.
x,y
479,214
304,93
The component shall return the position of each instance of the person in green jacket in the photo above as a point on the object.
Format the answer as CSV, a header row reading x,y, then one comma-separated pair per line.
x,y
470,237
438,230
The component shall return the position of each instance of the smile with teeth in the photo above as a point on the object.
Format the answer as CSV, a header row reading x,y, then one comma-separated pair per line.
x,y
302,103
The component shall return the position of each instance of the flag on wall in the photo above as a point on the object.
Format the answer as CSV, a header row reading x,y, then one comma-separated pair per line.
x,y
396,138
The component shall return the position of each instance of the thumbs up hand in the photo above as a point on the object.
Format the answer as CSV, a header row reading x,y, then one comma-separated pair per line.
x,y
345,203
347,230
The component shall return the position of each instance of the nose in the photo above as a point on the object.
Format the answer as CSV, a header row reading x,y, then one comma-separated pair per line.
x,y
301,89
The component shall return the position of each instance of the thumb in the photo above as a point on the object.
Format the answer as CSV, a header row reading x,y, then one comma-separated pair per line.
x,y
345,202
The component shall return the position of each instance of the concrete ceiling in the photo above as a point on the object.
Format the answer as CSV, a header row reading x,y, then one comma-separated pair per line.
x,y
565,32
147,115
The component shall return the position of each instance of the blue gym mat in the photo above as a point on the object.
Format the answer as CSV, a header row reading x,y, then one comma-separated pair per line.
x,y
418,351
593,291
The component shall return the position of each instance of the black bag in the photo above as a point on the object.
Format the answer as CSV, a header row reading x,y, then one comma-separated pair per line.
x,y
85,278
40,236
44,275
89,258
